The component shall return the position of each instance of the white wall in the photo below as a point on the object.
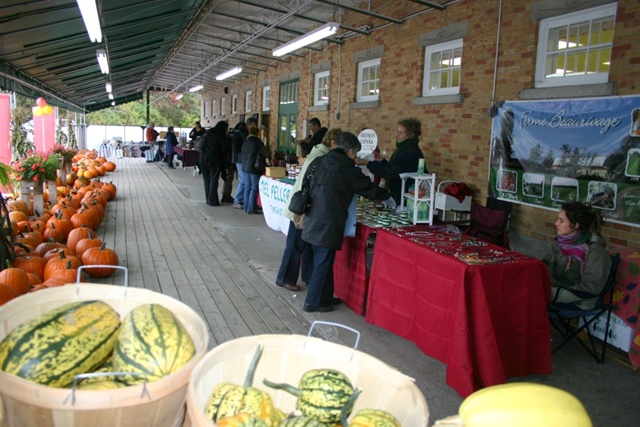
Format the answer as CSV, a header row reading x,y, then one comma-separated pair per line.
x,y
98,133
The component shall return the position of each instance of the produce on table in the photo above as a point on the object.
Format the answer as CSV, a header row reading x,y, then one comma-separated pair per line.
x,y
55,346
152,342
519,404
228,400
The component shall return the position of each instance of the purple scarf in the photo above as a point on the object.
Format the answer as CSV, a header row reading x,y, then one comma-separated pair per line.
x,y
575,244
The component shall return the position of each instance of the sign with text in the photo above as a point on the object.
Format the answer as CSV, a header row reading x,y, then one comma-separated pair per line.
x,y
545,153
369,140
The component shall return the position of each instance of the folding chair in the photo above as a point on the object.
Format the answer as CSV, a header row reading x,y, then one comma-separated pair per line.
x,y
566,320
489,225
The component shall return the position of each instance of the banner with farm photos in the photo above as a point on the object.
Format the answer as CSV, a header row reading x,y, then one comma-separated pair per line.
x,y
544,153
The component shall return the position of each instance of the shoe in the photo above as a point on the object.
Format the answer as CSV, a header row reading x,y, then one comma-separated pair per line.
x,y
336,301
227,199
213,204
238,206
255,212
321,309
290,287
171,167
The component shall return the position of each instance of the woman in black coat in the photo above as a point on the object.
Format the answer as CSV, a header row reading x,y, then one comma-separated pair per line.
x,y
213,161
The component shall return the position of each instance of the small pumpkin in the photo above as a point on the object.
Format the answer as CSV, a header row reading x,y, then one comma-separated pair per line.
x,y
63,262
31,264
100,256
16,279
7,293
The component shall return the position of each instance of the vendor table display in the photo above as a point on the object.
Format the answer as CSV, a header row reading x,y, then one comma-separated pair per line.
x,y
189,157
479,308
274,194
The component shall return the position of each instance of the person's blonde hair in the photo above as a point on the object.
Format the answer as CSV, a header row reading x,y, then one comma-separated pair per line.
x,y
331,135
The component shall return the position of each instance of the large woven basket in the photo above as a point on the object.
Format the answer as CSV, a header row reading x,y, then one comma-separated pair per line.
x,y
29,404
286,357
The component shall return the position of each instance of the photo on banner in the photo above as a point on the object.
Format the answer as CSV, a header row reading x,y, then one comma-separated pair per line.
x,y
545,153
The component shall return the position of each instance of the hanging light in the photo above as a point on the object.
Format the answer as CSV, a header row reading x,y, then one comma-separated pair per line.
x,y
113,102
229,73
108,87
101,54
195,88
89,13
179,97
318,34
110,96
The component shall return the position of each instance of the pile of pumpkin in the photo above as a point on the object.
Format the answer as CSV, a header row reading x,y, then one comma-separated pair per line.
x,y
325,397
88,337
50,247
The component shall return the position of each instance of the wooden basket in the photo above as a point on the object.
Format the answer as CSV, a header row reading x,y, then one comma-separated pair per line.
x,y
286,358
30,404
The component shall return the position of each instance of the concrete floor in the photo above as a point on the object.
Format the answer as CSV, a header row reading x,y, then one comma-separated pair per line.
x,y
610,392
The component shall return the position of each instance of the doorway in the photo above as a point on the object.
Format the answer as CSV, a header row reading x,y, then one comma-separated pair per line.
x,y
288,132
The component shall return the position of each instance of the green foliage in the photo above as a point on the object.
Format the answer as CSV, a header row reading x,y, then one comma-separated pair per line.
x,y
36,167
21,115
164,110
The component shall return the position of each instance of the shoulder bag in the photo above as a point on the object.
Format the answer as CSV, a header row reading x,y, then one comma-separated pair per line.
x,y
301,199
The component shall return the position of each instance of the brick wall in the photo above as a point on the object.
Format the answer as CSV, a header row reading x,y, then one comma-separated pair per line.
x,y
456,136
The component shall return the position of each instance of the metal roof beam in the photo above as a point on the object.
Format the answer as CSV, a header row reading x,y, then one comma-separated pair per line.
x,y
364,12
430,4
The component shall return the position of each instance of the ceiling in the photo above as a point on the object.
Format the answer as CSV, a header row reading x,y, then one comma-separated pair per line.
x,y
165,45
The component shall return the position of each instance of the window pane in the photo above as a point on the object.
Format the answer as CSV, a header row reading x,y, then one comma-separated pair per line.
x,y
444,79
455,80
446,59
433,80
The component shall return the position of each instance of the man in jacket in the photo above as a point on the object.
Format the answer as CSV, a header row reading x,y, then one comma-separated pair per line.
x,y
335,181
254,154
317,135
237,139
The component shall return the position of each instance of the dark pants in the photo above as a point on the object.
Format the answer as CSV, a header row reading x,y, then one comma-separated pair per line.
x,y
320,290
295,250
210,176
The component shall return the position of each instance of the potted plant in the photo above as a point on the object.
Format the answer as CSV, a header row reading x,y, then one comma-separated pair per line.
x,y
36,168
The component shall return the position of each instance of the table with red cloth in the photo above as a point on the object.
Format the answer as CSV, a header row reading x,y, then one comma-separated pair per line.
x,y
350,270
486,322
189,157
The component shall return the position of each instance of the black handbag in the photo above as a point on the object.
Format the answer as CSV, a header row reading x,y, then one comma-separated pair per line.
x,y
301,199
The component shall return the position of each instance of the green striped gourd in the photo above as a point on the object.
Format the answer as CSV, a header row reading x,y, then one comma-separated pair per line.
x,y
152,343
57,345
241,419
300,421
322,394
228,400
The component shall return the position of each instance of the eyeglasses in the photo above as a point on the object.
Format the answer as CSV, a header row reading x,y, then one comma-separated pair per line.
x,y
400,132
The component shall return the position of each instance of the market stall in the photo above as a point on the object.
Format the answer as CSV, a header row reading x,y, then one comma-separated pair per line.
x,y
479,308
189,157
274,194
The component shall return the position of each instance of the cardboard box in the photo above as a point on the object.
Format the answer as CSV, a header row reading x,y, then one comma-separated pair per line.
x,y
276,172
620,335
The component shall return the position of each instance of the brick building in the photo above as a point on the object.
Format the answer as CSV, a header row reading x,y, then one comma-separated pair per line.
x,y
373,81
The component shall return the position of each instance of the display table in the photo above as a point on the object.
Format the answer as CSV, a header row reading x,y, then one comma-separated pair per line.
x,y
274,194
189,157
485,322
350,270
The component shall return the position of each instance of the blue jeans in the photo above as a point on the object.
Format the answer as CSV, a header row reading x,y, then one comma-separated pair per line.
x,y
251,182
320,292
241,179
296,250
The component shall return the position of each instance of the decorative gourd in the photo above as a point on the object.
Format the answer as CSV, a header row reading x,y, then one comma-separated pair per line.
x,y
66,341
229,399
300,421
373,418
322,393
152,342
519,404
241,419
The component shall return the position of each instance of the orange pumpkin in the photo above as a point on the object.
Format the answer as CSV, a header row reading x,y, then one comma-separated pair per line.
x,y
46,246
86,244
31,264
7,294
16,279
55,253
78,234
100,256
63,262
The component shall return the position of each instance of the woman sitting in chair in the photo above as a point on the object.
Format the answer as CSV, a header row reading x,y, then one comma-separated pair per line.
x,y
579,266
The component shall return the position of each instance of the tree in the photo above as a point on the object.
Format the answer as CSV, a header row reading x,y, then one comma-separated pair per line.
x,y
535,154
549,158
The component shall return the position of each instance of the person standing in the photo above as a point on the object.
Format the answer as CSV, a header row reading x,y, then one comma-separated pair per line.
x,y
334,183
172,141
404,159
317,132
237,140
254,155
213,161
298,255
196,132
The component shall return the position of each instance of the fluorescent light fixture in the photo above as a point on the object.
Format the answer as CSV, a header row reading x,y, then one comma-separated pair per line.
x,y
108,87
318,34
89,13
101,54
195,88
179,97
229,73
110,96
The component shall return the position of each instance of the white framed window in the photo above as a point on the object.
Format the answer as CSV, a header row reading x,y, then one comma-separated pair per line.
x,y
205,104
234,104
266,98
213,108
442,68
223,109
575,49
248,101
368,80
321,88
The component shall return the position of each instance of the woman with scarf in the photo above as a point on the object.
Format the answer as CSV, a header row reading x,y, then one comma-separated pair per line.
x,y
404,159
579,265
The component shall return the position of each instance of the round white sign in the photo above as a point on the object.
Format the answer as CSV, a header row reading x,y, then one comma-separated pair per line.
x,y
369,141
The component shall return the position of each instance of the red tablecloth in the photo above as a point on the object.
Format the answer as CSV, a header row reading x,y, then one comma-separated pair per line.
x,y
486,322
350,270
189,157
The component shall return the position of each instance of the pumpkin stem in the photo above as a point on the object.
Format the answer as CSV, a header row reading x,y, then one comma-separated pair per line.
x,y
348,407
248,381
281,386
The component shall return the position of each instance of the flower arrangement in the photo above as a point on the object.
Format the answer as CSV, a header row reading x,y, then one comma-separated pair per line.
x,y
65,152
36,167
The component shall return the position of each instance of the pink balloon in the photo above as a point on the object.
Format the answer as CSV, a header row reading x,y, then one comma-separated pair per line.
x,y
40,102
37,111
47,110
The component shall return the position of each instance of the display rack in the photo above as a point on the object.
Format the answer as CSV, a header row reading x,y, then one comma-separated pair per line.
x,y
445,202
422,202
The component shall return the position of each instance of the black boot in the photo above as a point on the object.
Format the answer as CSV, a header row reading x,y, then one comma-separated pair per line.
x,y
226,198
